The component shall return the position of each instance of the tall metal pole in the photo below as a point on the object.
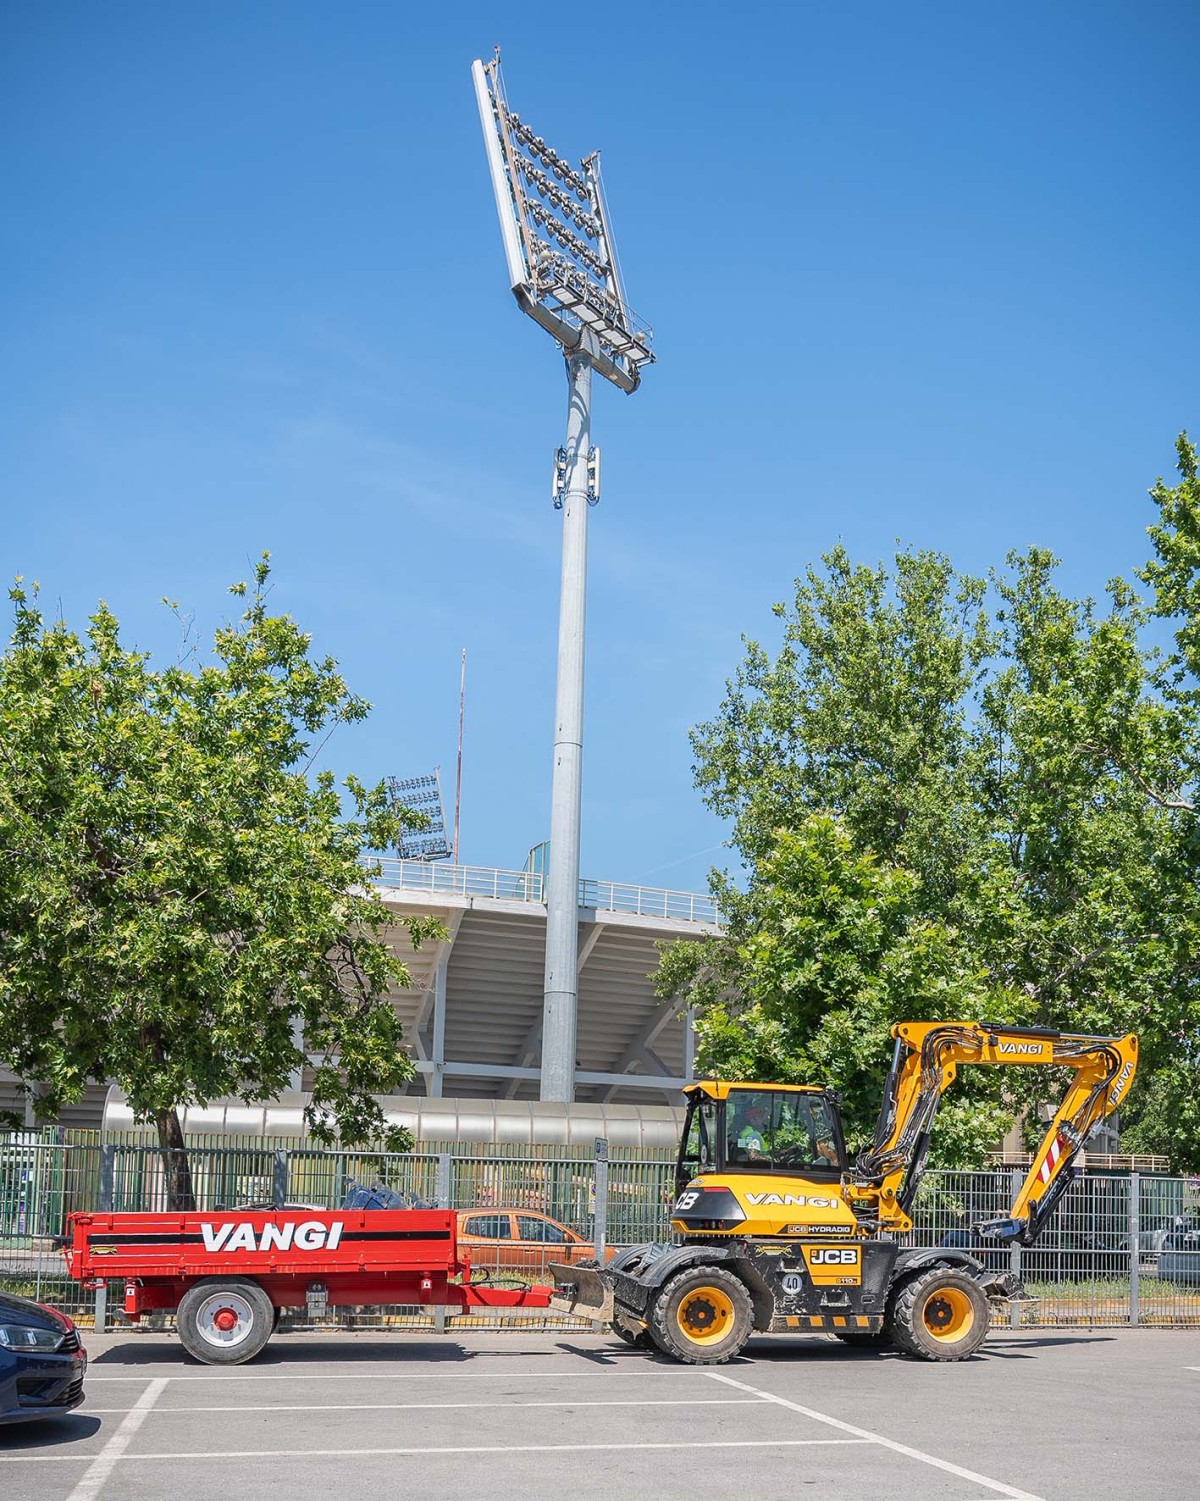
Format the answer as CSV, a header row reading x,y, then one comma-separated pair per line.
x,y
562,881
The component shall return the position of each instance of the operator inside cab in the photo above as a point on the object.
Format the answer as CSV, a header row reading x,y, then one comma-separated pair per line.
x,y
772,1129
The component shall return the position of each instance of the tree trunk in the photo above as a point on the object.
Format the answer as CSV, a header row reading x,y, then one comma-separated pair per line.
x,y
178,1170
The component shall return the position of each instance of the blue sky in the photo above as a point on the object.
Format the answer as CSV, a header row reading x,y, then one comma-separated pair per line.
x,y
923,273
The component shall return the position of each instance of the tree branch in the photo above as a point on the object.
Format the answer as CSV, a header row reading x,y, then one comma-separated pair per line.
x,y
1155,794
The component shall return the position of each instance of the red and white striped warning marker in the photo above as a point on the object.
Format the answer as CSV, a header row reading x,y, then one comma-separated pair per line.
x,y
1052,1156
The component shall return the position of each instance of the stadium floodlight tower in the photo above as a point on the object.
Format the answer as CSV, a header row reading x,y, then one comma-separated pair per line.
x,y
563,271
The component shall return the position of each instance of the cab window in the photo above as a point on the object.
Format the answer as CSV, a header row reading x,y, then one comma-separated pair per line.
x,y
696,1153
773,1130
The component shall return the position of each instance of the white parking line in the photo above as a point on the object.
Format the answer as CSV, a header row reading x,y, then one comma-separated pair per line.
x,y
101,1467
1011,1492
756,1443
229,1376
438,1406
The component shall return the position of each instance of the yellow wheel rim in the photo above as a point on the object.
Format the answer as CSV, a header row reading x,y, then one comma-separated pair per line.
x,y
948,1314
705,1315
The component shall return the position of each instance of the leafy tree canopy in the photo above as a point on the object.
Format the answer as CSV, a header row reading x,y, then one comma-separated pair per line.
x,y
182,909
957,797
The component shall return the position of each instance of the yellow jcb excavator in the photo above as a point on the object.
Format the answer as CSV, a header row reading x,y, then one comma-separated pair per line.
x,y
776,1231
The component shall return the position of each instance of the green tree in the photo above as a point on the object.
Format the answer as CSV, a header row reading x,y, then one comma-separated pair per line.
x,y
182,909
959,798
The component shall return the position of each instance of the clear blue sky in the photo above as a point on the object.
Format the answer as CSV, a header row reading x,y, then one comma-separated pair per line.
x,y
922,272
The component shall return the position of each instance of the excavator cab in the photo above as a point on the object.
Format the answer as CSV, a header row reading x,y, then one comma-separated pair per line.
x,y
761,1128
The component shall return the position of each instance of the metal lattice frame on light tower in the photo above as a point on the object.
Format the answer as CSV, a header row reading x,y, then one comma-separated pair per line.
x,y
562,267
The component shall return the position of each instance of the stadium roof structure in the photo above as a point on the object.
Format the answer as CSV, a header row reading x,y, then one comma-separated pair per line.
x,y
474,1010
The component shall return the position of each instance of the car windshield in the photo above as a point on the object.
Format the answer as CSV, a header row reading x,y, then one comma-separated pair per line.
x,y
774,1129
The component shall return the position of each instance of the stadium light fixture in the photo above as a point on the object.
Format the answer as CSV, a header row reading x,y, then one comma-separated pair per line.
x,y
562,265
421,795
564,273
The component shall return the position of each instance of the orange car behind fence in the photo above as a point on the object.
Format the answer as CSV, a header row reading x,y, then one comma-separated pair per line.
x,y
519,1241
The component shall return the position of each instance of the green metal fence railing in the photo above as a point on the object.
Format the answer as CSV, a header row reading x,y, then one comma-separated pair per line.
x,y
1124,1249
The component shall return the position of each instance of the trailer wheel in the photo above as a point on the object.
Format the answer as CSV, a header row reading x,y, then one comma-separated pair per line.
x,y
225,1320
940,1315
703,1316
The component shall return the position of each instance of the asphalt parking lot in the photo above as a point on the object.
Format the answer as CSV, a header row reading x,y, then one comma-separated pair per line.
x,y
1073,1414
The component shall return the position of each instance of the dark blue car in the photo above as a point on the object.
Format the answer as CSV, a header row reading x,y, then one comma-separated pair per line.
x,y
41,1361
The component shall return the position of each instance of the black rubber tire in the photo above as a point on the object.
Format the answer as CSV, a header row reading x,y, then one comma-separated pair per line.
x,y
257,1320
637,1339
864,1339
917,1307
668,1329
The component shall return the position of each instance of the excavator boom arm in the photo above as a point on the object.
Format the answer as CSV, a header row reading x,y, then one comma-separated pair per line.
x,y
926,1061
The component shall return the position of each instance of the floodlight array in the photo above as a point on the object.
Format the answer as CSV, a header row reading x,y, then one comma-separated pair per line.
x,y
569,242
421,795
537,147
416,791
561,255
563,202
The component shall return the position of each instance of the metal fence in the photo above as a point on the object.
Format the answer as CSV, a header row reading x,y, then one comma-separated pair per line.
x,y
1122,1250
442,879
445,879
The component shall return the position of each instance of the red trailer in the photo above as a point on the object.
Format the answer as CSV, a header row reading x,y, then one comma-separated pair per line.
x,y
228,1274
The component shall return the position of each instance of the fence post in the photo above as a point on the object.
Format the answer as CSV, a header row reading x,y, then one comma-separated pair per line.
x,y
108,1161
442,1194
1135,1235
1017,1177
442,1187
601,1221
280,1184
108,1174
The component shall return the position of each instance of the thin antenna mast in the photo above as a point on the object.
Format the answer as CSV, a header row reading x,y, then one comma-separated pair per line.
x,y
462,709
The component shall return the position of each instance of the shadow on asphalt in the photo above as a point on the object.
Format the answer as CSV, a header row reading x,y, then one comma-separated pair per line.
x,y
47,1433
293,1350
618,1353
1016,1349
788,1348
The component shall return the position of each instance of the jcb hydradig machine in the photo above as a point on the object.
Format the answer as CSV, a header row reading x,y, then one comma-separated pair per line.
x,y
777,1232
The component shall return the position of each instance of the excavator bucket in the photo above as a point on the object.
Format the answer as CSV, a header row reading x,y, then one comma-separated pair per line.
x,y
581,1290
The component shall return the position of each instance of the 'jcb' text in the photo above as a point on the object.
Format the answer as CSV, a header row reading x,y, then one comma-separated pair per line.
x,y
308,1235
